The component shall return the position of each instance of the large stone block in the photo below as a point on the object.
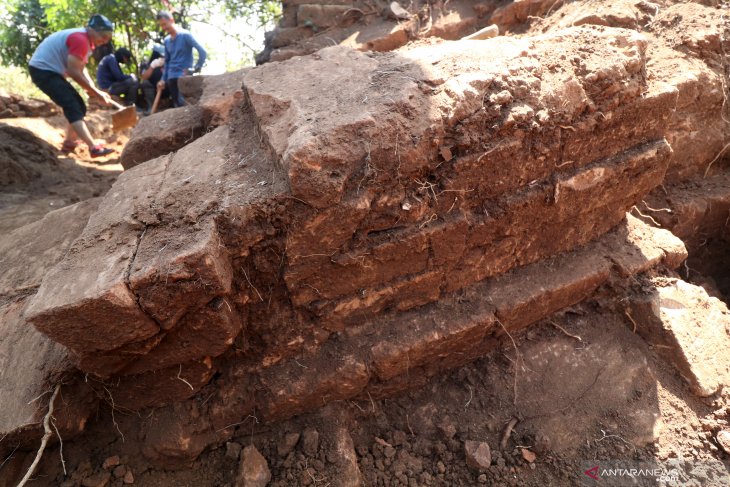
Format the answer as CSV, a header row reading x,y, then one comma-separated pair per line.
x,y
320,16
84,301
162,133
690,329
213,99
177,270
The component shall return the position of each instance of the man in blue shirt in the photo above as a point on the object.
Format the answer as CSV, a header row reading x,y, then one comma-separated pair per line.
x,y
179,45
111,78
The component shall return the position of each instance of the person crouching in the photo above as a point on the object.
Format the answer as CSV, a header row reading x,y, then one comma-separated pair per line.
x,y
111,78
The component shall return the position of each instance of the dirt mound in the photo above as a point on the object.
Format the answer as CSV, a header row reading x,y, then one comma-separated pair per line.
x,y
36,178
23,157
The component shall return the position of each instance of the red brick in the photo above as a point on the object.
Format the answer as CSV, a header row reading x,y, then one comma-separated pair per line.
x,y
326,230
207,332
635,247
689,328
419,338
529,294
293,388
348,273
401,295
177,271
78,296
448,241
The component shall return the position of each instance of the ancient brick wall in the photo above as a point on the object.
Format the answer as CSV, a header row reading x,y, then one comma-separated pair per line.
x,y
361,220
307,26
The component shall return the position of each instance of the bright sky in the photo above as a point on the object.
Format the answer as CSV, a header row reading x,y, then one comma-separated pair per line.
x,y
224,40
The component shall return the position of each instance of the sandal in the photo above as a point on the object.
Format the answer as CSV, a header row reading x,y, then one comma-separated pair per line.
x,y
69,146
99,151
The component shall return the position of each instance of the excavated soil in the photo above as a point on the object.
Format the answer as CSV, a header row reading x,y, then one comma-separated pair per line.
x,y
23,157
585,390
35,177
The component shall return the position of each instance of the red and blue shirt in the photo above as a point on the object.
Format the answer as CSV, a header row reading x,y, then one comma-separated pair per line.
x,y
52,54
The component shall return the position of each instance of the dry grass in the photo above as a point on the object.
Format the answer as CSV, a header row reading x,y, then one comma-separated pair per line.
x,y
16,81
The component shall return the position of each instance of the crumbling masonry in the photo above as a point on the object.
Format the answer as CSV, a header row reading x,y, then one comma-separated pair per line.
x,y
354,221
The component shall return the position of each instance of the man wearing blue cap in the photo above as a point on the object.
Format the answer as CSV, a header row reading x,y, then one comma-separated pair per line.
x,y
179,45
65,54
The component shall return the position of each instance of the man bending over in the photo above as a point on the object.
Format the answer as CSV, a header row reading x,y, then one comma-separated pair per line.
x,y
65,53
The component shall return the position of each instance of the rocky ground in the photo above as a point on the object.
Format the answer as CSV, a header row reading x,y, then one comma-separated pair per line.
x,y
586,392
484,262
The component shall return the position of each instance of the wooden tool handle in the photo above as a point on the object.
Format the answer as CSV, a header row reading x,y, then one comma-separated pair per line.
x,y
157,101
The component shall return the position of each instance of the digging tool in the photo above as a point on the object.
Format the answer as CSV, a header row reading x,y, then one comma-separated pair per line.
x,y
157,101
124,117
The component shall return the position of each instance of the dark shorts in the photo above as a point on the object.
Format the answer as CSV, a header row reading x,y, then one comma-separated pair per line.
x,y
61,92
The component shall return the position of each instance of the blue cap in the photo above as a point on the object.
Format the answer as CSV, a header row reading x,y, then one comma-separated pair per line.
x,y
100,23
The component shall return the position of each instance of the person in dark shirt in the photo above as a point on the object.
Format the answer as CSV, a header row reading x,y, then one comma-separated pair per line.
x,y
151,74
111,78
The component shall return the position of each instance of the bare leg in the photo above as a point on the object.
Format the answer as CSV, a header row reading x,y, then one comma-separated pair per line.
x,y
83,132
71,134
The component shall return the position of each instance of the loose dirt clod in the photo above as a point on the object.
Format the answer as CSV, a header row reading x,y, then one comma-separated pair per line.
x,y
254,471
528,455
478,455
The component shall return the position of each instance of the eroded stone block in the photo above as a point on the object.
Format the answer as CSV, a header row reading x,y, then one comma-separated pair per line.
x,y
690,329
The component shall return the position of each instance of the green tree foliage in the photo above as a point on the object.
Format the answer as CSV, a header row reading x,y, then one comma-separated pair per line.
x,y
25,23
22,28
266,12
